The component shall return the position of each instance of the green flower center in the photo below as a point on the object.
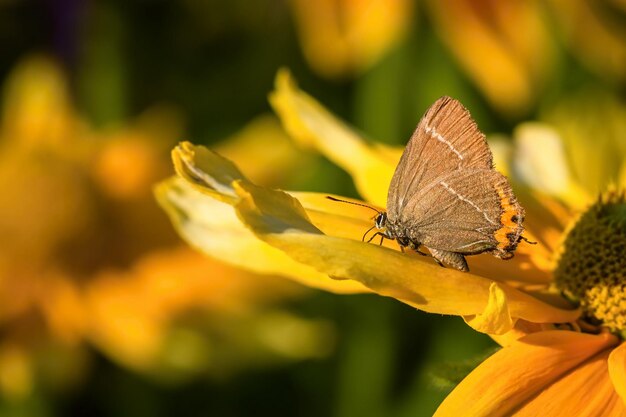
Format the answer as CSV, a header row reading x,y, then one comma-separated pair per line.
x,y
591,269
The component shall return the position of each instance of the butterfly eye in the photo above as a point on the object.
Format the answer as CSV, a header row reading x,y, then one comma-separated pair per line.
x,y
381,219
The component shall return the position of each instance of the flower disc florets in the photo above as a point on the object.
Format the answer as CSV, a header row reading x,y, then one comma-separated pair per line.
x,y
591,269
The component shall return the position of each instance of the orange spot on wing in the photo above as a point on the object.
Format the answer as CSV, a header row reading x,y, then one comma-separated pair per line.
x,y
510,220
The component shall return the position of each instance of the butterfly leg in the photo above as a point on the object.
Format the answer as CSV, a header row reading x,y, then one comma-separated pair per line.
x,y
416,247
376,234
453,259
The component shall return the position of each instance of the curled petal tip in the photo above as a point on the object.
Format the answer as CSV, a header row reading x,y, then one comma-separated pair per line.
x,y
496,317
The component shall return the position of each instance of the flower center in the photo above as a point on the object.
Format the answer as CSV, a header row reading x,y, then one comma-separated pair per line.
x,y
591,269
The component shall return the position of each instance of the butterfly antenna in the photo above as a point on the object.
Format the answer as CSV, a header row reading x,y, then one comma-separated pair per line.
x,y
353,203
526,240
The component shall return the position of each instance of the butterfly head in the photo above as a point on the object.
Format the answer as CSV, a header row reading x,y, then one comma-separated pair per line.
x,y
381,220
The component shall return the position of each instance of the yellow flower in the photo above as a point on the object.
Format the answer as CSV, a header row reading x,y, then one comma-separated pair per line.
x,y
509,65
600,46
553,361
87,256
342,37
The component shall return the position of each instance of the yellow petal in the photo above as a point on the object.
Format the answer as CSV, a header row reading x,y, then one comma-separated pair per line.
x,y
596,162
496,318
207,171
211,174
310,123
516,374
541,162
527,267
586,391
277,219
547,218
617,370
212,227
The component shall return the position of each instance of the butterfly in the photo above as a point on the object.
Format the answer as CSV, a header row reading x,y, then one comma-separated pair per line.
x,y
445,194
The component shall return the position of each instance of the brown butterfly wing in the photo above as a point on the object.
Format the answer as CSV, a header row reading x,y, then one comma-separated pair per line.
x,y
466,211
446,139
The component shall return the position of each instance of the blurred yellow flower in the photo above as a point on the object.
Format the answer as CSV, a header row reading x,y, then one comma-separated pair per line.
x,y
343,37
87,256
585,117
594,33
133,312
505,47
550,350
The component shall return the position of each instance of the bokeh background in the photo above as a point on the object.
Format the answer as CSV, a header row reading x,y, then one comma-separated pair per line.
x,y
104,311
